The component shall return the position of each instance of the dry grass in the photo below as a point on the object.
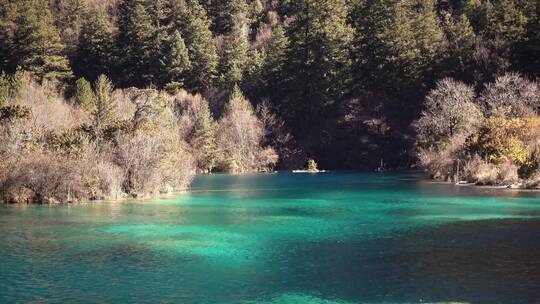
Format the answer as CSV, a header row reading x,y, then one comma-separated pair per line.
x,y
481,172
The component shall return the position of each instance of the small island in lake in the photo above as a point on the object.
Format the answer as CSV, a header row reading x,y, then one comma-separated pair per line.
x,y
311,168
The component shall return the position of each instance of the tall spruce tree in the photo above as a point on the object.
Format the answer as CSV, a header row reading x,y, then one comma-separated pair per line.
x,y
136,44
68,18
459,47
506,21
276,51
83,95
176,63
274,62
318,61
397,51
204,138
414,40
506,33
96,46
225,14
104,106
529,60
160,42
500,39
7,27
36,46
234,58
475,11
201,49
160,13
371,18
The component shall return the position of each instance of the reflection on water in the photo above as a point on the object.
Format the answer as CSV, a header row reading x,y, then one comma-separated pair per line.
x,y
281,238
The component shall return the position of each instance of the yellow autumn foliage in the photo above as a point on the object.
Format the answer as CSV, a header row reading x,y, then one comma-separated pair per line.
x,y
504,139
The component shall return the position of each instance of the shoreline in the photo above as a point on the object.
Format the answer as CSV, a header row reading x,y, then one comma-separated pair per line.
x,y
120,199
160,195
493,187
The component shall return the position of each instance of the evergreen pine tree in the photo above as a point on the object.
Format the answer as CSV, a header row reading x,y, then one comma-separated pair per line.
x,y
397,52
371,18
83,95
459,50
160,42
96,46
507,22
237,94
256,8
225,15
68,18
275,59
176,61
506,33
160,12
204,138
104,105
234,59
503,33
277,50
201,48
318,61
36,46
414,39
475,11
5,36
136,44
254,76
530,48
10,85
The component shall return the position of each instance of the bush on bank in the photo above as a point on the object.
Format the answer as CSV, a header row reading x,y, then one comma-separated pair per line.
x,y
489,139
105,143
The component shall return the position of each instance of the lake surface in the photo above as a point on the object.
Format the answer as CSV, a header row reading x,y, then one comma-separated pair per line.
x,y
280,238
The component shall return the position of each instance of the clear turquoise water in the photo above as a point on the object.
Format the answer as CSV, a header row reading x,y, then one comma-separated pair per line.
x,y
281,238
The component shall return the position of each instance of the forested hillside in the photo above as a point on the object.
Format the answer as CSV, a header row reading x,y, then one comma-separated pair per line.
x,y
277,82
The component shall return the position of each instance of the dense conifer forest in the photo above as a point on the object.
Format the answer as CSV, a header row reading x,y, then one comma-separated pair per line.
x,y
104,98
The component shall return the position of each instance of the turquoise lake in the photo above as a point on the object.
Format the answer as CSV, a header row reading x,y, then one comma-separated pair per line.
x,y
280,238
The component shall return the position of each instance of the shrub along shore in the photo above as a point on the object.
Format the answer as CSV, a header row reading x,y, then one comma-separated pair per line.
x,y
491,138
105,143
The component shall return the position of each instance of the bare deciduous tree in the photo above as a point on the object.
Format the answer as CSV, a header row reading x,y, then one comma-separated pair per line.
x,y
240,135
511,91
449,109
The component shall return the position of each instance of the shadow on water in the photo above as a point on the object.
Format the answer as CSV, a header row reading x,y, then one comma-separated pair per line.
x,y
487,261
